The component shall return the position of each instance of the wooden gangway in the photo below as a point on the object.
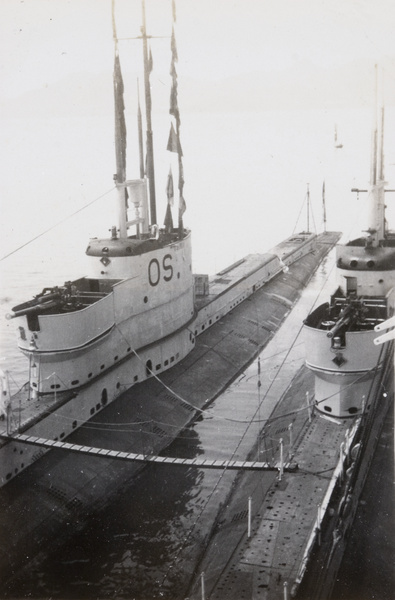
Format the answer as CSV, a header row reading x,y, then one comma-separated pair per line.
x,y
148,458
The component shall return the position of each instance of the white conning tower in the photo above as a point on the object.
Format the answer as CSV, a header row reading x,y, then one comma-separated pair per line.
x,y
114,257
366,266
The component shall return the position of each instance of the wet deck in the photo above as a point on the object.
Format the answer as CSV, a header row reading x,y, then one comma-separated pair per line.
x,y
28,410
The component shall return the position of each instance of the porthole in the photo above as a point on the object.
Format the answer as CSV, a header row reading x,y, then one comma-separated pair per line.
x,y
128,349
118,385
381,280
135,378
92,411
75,382
98,406
178,276
8,476
353,264
74,425
352,410
116,357
370,264
328,408
62,435
102,367
166,362
105,249
90,375
145,299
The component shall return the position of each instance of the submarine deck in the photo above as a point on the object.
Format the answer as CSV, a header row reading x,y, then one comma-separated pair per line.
x,y
65,485
28,411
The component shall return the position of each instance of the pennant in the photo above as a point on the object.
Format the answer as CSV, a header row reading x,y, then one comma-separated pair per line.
x,y
181,209
150,62
173,8
140,136
173,110
170,189
174,46
173,72
180,176
168,222
173,144
182,206
120,124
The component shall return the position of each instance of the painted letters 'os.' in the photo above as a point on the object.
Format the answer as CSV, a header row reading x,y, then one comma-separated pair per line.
x,y
155,271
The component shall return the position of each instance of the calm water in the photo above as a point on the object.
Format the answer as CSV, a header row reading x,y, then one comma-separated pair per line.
x,y
246,177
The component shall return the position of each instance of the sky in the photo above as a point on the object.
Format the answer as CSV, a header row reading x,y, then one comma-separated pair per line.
x,y
42,41
56,60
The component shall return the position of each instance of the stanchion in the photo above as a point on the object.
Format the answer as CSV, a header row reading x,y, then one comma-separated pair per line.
x,y
249,517
290,429
285,590
202,582
308,406
281,460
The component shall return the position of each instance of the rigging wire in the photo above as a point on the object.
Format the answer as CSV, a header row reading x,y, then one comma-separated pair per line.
x,y
56,225
300,212
312,218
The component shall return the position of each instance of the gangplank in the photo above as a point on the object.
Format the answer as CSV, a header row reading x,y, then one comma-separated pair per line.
x,y
148,458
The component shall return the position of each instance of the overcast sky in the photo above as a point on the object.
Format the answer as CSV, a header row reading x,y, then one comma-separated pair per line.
x,y
43,41
54,53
